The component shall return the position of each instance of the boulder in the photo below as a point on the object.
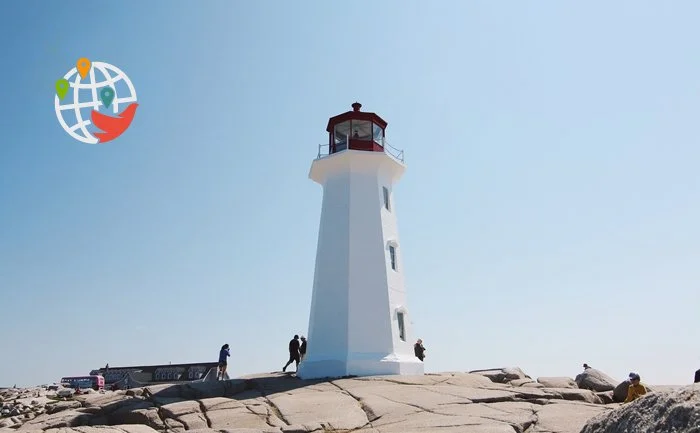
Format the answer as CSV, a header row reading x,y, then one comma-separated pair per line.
x,y
496,376
606,397
520,382
136,392
575,394
515,373
557,382
66,418
65,392
502,375
595,380
532,385
668,411
147,417
620,391
62,405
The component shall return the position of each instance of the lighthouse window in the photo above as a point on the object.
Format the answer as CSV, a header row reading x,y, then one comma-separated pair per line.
x,y
386,198
362,130
402,326
378,134
392,256
341,134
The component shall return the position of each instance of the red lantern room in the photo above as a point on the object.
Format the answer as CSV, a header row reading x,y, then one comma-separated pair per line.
x,y
356,130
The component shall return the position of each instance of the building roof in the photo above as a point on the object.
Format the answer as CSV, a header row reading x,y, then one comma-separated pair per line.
x,y
355,114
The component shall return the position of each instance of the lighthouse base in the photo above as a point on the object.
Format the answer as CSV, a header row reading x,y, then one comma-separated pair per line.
x,y
359,365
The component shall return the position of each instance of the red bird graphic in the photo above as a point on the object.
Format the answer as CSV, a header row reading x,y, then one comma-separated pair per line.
x,y
113,127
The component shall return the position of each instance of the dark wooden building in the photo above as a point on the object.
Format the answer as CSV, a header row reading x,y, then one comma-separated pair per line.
x,y
156,373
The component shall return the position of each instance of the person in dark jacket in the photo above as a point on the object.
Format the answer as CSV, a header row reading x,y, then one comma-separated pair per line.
x,y
697,376
302,348
224,353
419,349
293,353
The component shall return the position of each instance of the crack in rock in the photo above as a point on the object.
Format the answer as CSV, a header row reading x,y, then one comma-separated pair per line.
x,y
536,419
526,424
159,411
515,427
421,408
371,416
273,410
204,413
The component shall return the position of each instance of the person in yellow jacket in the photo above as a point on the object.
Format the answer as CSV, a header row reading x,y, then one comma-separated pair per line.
x,y
636,389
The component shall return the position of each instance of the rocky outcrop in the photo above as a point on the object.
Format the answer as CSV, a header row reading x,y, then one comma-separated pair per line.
x,y
18,406
675,411
606,397
595,380
59,406
557,382
523,382
503,375
490,401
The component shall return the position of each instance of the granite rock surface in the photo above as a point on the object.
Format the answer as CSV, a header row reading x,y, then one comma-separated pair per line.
x,y
488,401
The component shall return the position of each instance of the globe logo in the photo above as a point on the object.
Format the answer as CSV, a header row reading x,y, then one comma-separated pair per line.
x,y
88,99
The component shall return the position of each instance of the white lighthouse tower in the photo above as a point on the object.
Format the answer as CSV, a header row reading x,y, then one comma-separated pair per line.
x,y
359,323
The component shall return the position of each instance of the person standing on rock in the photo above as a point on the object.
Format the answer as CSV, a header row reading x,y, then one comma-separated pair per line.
x,y
636,389
224,353
302,348
697,376
293,353
419,349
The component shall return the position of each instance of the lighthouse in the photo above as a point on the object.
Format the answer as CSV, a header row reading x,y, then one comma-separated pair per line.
x,y
359,324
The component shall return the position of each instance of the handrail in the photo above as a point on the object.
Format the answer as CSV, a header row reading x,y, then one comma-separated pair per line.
x,y
321,153
396,153
324,150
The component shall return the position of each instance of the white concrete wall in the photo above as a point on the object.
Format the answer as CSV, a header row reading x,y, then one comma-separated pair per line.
x,y
395,279
329,305
353,328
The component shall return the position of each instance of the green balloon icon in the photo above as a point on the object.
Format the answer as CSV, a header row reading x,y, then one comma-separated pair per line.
x,y
62,86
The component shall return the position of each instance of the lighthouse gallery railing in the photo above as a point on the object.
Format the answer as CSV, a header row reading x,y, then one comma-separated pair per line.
x,y
324,150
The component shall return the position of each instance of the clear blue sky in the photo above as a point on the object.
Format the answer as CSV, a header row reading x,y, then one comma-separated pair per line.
x,y
549,216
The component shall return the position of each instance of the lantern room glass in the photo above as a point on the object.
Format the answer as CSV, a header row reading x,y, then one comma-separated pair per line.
x,y
362,130
341,135
378,134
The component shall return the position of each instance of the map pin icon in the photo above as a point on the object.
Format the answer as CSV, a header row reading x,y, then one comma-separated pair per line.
x,y
83,64
62,86
107,95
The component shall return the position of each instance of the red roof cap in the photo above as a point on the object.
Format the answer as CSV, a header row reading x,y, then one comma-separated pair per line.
x,y
355,114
